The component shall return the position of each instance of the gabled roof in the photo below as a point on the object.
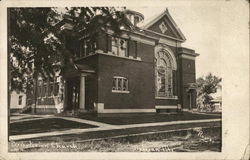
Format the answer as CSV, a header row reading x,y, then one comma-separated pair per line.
x,y
153,20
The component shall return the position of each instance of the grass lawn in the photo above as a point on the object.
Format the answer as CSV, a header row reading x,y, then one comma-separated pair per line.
x,y
119,132
181,141
134,118
44,125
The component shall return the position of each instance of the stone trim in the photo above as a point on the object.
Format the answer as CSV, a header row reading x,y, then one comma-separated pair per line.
x,y
100,109
142,40
136,38
169,42
110,54
166,107
169,51
116,91
174,97
187,57
44,106
163,35
58,107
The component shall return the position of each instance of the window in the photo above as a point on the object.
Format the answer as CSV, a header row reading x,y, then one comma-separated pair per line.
x,y
50,90
163,27
39,88
39,91
120,84
56,89
119,47
87,47
136,20
44,90
163,71
20,99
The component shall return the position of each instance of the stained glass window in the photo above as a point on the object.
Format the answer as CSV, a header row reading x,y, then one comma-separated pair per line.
x,y
164,84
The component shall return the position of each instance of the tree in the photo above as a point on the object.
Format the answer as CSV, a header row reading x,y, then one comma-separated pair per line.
x,y
37,46
206,86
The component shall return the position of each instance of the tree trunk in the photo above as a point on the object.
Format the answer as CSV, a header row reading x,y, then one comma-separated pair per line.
x,y
35,95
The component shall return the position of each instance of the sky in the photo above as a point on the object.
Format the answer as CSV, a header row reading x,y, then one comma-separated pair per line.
x,y
201,27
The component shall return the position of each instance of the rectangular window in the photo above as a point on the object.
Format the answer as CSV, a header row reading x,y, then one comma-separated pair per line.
x,y
87,47
119,47
56,89
20,99
39,91
50,90
120,85
83,48
115,46
39,88
44,90
136,49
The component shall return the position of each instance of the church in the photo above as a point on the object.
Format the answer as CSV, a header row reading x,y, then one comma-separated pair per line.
x,y
143,70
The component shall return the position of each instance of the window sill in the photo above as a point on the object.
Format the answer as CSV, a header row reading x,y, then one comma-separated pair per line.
x,y
116,91
174,97
109,54
82,57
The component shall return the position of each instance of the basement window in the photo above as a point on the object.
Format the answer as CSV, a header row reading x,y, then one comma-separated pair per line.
x,y
120,85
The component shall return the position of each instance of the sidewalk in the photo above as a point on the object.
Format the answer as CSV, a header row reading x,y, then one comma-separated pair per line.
x,y
28,117
102,127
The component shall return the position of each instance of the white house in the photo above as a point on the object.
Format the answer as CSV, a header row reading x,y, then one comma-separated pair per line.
x,y
17,101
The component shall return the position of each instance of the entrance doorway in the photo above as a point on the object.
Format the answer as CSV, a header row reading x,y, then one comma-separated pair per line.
x,y
73,89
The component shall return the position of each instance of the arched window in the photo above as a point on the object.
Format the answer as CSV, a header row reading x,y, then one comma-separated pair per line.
x,y
164,74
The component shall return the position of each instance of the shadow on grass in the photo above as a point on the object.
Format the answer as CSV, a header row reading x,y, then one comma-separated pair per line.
x,y
45,125
123,119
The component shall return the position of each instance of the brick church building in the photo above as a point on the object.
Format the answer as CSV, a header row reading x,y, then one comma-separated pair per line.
x,y
144,70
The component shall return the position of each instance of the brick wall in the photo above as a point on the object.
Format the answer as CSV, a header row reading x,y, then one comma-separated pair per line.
x,y
187,75
140,77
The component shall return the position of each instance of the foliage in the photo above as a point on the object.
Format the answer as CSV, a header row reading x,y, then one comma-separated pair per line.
x,y
206,86
37,45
